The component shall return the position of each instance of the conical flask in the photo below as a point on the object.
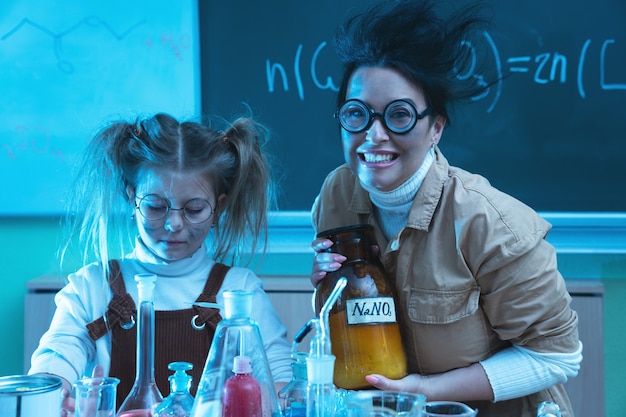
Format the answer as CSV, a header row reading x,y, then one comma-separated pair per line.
x,y
144,396
237,335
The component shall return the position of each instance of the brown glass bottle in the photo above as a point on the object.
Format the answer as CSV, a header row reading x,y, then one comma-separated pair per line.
x,y
364,332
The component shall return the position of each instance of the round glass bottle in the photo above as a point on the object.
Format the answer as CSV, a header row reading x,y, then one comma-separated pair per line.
x,y
364,333
180,400
292,397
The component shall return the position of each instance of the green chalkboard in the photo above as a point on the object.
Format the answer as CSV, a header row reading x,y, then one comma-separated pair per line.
x,y
552,133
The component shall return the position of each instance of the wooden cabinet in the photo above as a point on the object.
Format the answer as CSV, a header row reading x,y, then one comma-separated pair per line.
x,y
291,297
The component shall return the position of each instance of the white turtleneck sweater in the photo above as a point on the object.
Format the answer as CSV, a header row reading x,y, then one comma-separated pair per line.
x,y
66,349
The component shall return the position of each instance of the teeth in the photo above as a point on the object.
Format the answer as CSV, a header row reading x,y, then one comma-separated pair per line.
x,y
370,157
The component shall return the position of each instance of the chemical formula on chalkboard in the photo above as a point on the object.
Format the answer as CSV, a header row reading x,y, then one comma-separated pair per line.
x,y
58,37
544,68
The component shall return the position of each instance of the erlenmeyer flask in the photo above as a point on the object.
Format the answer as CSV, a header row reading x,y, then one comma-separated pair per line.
x,y
144,396
235,336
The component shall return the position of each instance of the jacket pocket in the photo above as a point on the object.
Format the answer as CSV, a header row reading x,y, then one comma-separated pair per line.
x,y
442,306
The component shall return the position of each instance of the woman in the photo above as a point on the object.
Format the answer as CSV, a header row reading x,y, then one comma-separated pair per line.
x,y
193,196
485,314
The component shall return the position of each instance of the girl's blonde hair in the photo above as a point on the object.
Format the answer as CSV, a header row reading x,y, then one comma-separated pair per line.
x,y
99,211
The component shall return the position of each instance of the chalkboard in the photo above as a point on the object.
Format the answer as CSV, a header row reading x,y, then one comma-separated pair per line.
x,y
552,133
67,69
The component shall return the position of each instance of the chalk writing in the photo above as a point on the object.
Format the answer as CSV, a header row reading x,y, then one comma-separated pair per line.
x,y
544,68
34,139
274,69
57,38
174,43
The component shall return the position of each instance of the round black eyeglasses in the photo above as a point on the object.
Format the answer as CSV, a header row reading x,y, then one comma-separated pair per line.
x,y
399,116
154,207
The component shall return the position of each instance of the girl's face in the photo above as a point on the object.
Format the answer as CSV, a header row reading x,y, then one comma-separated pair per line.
x,y
174,237
380,158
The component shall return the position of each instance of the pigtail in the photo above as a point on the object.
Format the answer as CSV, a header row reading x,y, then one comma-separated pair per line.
x,y
97,211
250,193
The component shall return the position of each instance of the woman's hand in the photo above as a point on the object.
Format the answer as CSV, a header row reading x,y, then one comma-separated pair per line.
x,y
323,261
461,384
68,403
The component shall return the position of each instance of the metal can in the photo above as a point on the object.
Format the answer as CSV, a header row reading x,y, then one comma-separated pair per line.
x,y
30,395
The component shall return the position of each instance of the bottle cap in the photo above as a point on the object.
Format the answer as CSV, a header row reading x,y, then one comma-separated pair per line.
x,y
237,304
180,380
242,365
145,286
320,370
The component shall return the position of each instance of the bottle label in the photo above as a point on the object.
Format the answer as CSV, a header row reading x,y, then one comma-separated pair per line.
x,y
371,310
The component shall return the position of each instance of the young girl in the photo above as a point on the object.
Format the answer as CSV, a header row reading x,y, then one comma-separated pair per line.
x,y
193,196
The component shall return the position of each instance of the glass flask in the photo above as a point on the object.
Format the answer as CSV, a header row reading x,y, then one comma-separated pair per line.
x,y
320,391
236,335
292,397
144,396
364,332
180,400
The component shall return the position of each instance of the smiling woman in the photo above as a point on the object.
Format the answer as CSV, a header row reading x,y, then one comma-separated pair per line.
x,y
485,315
193,196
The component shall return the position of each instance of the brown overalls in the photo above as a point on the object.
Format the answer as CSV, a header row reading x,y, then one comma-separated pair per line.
x,y
175,338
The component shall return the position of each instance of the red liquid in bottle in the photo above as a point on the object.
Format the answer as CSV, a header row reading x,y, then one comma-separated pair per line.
x,y
242,392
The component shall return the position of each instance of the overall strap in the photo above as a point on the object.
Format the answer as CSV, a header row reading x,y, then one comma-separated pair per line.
x,y
209,295
121,309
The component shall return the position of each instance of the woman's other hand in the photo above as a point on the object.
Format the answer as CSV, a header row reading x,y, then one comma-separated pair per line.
x,y
461,384
324,261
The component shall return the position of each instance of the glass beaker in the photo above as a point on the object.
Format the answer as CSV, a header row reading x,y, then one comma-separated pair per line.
x,y
447,408
548,409
95,397
374,403
236,335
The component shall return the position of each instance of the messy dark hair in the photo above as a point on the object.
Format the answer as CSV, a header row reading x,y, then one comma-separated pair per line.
x,y
411,37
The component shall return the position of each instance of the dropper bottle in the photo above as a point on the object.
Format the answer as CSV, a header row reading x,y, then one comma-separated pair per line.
x,y
180,400
144,396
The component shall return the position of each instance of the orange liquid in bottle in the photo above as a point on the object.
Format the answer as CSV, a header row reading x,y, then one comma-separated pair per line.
x,y
364,333
364,349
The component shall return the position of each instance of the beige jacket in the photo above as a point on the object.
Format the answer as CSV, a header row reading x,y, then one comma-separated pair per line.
x,y
473,272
